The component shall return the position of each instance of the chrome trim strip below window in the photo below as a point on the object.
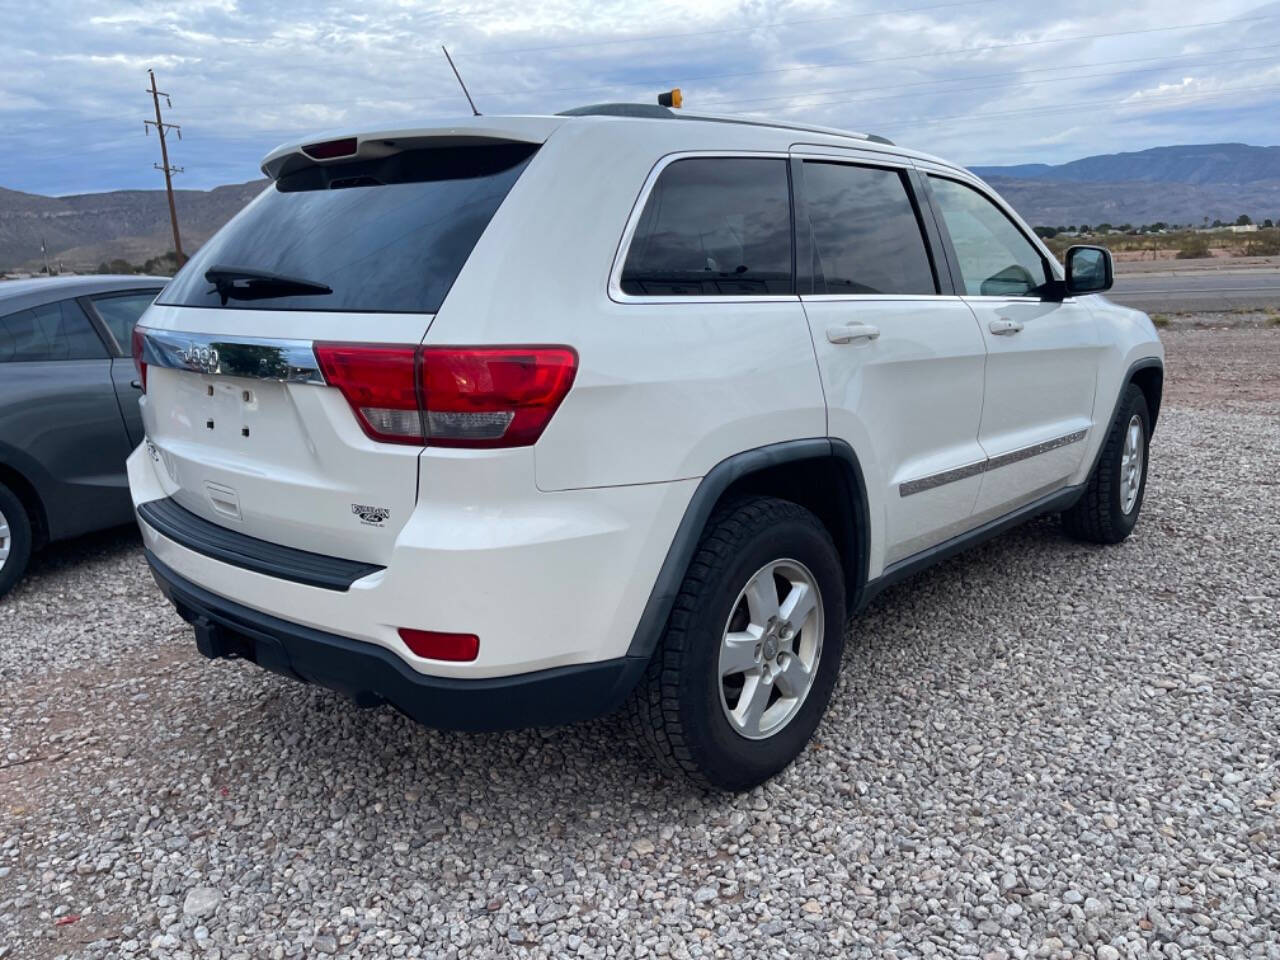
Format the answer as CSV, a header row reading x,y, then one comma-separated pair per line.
x,y
257,358
954,474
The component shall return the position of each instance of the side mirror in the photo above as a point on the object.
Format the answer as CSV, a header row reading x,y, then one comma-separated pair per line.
x,y
1089,270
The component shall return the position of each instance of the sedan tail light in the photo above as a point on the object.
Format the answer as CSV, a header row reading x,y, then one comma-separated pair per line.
x,y
138,340
451,396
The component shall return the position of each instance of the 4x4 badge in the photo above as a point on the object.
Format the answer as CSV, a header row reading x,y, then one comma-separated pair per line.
x,y
373,516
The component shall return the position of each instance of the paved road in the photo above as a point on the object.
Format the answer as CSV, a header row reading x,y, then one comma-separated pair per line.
x,y
1199,290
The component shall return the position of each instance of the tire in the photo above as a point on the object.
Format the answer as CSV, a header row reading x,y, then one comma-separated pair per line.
x,y
15,539
1108,510
696,723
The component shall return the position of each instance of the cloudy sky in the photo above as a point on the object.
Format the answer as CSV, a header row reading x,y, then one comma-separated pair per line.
x,y
979,81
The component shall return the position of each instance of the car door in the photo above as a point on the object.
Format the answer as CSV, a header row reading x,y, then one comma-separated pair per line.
x,y
901,358
1042,353
118,314
61,416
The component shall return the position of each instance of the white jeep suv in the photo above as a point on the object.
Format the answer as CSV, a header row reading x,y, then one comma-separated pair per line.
x,y
515,420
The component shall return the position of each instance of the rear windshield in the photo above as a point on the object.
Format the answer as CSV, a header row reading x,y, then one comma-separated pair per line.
x,y
386,235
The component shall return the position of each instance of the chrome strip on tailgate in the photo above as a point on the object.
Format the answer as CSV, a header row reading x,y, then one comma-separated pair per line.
x,y
289,361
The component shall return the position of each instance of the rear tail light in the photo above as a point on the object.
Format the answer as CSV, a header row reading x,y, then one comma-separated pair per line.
x,y
451,396
139,341
441,646
380,383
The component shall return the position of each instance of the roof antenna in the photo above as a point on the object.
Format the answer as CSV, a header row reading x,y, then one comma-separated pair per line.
x,y
474,111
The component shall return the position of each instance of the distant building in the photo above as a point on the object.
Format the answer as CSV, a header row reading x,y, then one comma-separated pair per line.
x,y
1246,228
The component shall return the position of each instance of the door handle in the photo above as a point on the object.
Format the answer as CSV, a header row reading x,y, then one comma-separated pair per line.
x,y
136,384
1004,328
849,332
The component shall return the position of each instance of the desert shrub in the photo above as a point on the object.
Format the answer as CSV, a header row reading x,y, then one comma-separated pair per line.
x,y
1264,243
1193,247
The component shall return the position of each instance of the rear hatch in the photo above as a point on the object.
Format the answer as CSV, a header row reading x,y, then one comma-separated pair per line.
x,y
360,248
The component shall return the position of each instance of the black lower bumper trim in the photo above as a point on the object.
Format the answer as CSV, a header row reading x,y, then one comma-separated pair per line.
x,y
301,566
372,675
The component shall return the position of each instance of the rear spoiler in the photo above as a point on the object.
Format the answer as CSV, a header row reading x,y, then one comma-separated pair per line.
x,y
327,148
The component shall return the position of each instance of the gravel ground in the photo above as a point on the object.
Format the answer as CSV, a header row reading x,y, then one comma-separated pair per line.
x,y
1038,749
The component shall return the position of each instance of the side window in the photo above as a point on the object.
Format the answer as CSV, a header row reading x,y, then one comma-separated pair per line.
x,y
865,229
55,331
714,226
120,312
996,258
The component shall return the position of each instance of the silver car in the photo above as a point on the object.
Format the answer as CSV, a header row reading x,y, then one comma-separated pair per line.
x,y
68,408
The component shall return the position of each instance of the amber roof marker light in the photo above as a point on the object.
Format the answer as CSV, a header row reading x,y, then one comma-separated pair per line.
x,y
672,98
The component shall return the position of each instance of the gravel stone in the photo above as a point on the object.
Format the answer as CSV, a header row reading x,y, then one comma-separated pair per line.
x,y
201,902
1037,749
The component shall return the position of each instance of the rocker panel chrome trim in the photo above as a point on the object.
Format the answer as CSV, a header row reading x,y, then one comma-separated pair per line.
x,y
933,480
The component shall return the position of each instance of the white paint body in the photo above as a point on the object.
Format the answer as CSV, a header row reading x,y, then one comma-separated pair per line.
x,y
549,553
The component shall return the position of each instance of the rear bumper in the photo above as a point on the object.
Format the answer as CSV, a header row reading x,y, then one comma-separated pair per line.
x,y
372,675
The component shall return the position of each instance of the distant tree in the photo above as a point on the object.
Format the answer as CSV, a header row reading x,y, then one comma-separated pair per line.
x,y
166,263
1267,223
1045,233
1103,227
1243,220
1062,229
1084,228
1218,223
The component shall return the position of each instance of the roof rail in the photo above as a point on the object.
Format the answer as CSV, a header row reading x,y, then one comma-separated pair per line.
x,y
654,111
619,110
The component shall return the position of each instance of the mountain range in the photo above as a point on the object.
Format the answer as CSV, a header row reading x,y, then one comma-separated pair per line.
x,y
84,230
1177,184
1182,184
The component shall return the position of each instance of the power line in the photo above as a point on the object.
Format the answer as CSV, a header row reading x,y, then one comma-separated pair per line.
x,y
834,66
719,101
169,169
684,79
1155,100
997,86
644,38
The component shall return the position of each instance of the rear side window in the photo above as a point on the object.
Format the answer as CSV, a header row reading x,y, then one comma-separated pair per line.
x,y
865,230
386,235
714,226
55,331
120,312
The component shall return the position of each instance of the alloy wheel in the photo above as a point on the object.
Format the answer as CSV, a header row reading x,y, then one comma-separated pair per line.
x,y
771,649
1131,465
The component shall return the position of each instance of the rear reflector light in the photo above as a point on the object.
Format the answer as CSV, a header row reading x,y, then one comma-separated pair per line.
x,y
441,646
139,340
329,149
451,396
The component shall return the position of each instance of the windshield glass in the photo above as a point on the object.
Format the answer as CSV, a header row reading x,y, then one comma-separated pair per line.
x,y
385,235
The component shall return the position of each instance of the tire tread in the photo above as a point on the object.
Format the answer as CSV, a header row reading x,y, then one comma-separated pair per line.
x,y
654,707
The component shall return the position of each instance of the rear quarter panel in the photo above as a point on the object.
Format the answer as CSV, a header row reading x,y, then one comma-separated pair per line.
x,y
663,391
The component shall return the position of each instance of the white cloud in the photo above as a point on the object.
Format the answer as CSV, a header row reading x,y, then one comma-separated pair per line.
x,y
992,81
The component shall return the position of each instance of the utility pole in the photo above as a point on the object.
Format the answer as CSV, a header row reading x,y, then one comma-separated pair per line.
x,y
164,165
